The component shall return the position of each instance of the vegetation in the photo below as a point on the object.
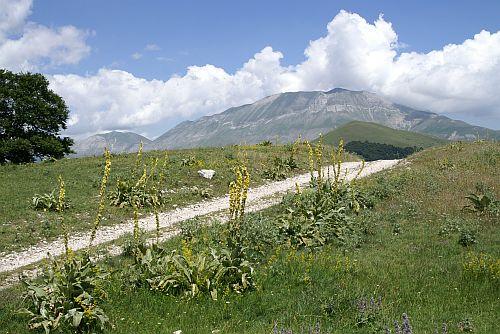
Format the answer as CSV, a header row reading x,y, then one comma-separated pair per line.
x,y
47,202
376,133
31,116
397,257
20,225
377,151
71,292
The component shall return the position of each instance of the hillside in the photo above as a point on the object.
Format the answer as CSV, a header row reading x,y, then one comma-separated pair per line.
x,y
376,133
115,141
21,225
411,251
287,115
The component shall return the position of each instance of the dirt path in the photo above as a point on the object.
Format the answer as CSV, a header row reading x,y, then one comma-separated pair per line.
x,y
258,199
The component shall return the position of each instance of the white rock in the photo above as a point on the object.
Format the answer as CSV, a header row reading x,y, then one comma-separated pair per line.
x,y
206,173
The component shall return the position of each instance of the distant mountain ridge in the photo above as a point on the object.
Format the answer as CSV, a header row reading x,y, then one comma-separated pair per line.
x,y
287,115
115,141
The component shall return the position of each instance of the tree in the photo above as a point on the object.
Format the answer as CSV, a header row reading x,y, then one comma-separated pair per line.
x,y
31,116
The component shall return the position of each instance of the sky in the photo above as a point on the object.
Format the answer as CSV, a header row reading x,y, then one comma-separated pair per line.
x,y
145,66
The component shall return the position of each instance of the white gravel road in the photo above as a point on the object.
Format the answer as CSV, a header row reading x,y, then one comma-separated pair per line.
x,y
258,199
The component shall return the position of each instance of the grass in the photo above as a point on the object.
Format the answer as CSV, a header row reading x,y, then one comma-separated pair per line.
x,y
376,133
21,225
410,257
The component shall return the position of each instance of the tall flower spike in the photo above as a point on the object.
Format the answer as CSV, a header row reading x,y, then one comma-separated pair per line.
x,y
60,208
102,196
310,159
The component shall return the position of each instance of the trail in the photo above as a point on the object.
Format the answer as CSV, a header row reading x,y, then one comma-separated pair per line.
x,y
258,198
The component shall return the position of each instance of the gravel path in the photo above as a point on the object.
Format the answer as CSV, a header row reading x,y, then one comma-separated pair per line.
x,y
258,199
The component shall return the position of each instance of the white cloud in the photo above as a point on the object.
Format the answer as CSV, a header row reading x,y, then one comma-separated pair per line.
x,y
136,56
13,15
27,46
354,54
152,47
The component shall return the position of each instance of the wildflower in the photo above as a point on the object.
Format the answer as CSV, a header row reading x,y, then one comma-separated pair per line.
x,y
102,193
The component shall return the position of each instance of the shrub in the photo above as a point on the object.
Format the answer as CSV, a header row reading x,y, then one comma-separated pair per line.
x,y
47,202
130,193
483,201
72,289
68,297
190,275
144,190
280,169
318,216
467,237
377,151
323,213
206,272
265,143
191,161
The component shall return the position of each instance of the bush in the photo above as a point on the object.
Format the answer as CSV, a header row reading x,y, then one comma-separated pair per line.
x,y
190,275
144,189
280,169
47,202
318,216
265,143
130,193
483,202
467,237
68,297
377,151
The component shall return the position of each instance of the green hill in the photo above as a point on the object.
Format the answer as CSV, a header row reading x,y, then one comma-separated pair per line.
x,y
376,133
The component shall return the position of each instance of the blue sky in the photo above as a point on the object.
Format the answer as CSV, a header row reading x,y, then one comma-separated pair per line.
x,y
144,66
227,33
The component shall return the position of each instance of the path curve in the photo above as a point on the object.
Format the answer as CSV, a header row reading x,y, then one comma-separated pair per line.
x,y
36,253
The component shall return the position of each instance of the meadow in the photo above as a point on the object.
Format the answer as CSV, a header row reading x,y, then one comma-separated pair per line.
x,y
418,244
22,225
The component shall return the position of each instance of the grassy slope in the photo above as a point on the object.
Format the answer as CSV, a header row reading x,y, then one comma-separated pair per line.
x,y
376,133
417,270
20,225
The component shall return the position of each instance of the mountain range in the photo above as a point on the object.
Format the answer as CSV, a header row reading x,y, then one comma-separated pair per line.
x,y
115,141
283,117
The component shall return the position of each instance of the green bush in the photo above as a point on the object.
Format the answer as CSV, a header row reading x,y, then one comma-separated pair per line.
x,y
280,168
47,202
318,216
130,193
190,275
68,298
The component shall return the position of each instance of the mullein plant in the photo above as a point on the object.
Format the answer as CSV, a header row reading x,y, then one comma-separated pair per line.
x,y
102,196
157,188
238,193
60,208
70,294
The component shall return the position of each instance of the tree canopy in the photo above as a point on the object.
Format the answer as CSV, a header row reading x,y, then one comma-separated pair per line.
x,y
31,117
378,151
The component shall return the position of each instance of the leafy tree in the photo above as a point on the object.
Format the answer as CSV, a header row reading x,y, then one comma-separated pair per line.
x,y
377,151
31,116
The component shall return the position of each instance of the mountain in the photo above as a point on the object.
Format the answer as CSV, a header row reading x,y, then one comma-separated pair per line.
x,y
116,142
376,133
285,116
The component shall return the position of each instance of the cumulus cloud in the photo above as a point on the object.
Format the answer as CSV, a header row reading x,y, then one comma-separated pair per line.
x,y
354,54
27,46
